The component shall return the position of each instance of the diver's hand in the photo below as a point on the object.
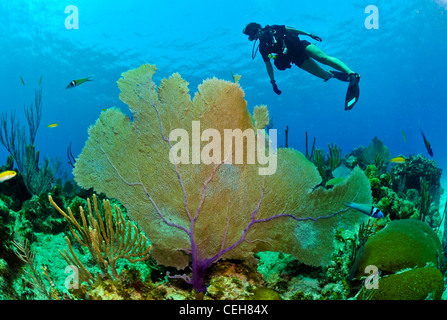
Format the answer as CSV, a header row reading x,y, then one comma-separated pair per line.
x,y
315,37
275,87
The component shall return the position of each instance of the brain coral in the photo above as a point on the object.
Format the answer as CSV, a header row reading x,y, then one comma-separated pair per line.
x,y
415,284
401,244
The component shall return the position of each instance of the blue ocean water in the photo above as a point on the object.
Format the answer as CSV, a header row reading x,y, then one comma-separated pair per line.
x,y
402,64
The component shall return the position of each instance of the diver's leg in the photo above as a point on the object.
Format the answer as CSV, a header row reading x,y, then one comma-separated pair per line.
x,y
312,67
314,52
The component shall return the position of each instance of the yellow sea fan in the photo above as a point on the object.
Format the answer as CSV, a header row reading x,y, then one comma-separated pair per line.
x,y
130,161
261,116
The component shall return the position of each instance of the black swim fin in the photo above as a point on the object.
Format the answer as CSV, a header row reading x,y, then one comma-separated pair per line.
x,y
352,96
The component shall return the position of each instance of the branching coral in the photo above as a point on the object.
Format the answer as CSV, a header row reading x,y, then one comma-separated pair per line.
x,y
334,156
26,254
107,239
317,156
198,212
36,176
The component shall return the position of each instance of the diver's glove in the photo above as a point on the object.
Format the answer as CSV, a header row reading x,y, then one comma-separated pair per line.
x,y
315,37
275,87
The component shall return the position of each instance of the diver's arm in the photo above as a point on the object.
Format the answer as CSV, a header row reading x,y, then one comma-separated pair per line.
x,y
301,32
269,67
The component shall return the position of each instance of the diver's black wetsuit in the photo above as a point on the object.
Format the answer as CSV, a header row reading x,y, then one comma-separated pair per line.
x,y
287,47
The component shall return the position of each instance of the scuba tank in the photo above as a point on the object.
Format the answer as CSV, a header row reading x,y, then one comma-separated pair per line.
x,y
270,38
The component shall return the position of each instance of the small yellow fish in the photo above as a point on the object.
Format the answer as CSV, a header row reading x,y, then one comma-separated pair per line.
x,y
54,125
403,136
398,160
6,175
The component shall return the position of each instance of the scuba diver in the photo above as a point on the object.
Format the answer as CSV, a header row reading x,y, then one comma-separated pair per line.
x,y
283,45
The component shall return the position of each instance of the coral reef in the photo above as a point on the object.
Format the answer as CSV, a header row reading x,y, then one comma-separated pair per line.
x,y
394,205
415,284
265,294
107,238
13,192
6,229
128,286
236,233
326,167
408,175
6,278
376,153
408,253
233,280
414,168
401,244
43,218
202,212
409,190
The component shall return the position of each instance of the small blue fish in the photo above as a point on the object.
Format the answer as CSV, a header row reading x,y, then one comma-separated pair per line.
x,y
427,144
366,209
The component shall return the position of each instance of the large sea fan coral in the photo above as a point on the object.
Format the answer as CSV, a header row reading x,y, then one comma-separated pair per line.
x,y
203,212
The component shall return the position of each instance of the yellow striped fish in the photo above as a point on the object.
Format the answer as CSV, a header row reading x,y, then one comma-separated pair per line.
x,y
6,175
398,160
